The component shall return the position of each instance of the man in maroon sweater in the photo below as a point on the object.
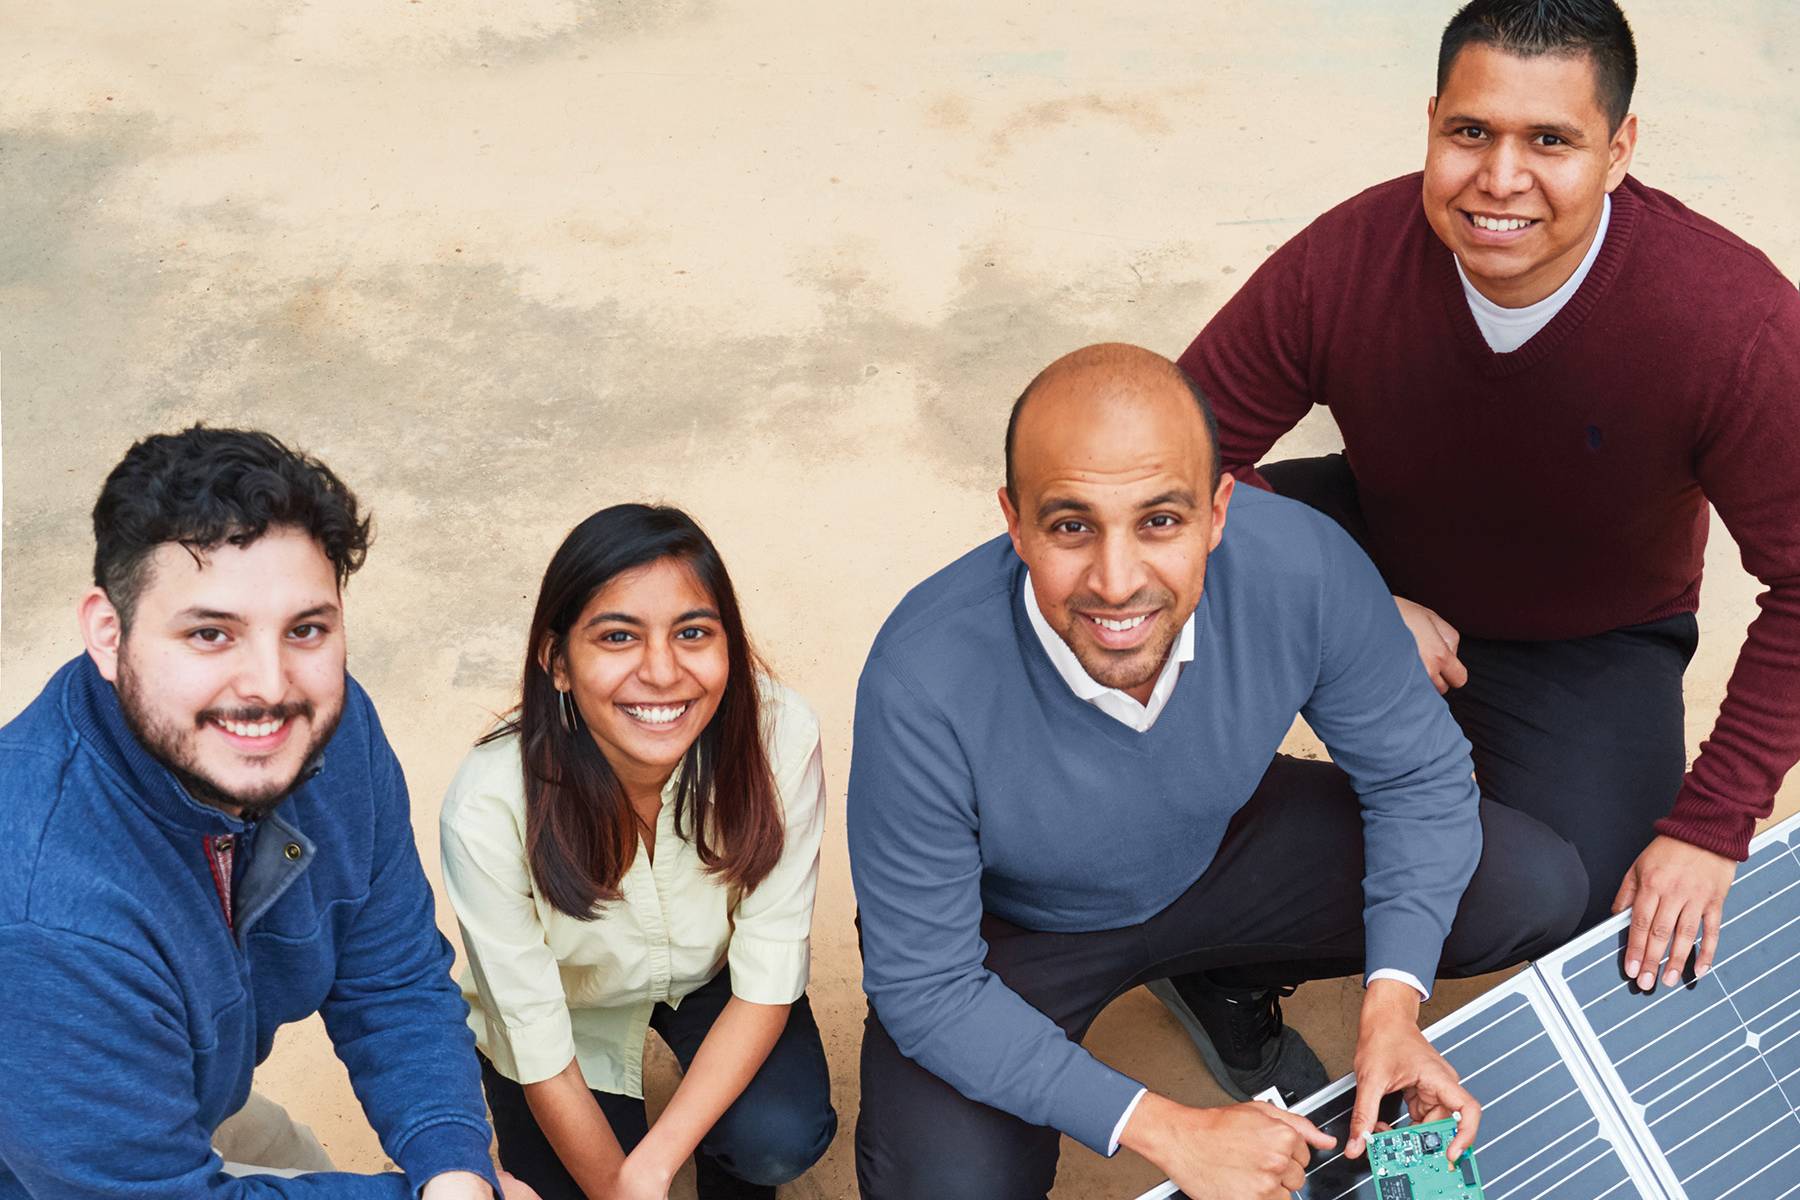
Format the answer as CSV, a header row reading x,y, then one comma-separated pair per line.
x,y
1543,371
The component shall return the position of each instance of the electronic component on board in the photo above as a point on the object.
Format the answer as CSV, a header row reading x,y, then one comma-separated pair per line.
x,y
1411,1163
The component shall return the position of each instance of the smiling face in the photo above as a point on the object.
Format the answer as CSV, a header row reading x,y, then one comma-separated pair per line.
x,y
232,674
647,663
1114,512
1519,162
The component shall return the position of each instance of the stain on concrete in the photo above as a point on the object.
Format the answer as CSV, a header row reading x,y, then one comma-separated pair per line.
x,y
950,112
73,299
1005,322
1142,115
494,37
614,19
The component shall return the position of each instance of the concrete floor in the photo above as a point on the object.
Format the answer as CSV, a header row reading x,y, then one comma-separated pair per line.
x,y
783,263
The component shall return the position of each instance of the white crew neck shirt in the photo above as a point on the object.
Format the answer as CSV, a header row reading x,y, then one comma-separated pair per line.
x,y
1506,329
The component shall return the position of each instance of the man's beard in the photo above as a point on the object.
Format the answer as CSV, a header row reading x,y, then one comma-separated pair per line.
x,y
1132,668
175,748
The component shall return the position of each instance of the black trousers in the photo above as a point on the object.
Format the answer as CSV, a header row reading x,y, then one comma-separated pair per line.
x,y
777,1129
1585,734
1283,896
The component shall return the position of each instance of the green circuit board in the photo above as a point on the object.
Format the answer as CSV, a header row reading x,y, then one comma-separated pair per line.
x,y
1410,1163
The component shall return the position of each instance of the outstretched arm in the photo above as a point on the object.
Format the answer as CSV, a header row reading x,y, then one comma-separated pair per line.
x,y
1748,464
733,1051
1379,715
97,1084
1384,724
394,1014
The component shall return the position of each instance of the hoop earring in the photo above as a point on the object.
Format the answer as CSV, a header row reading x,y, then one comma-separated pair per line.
x,y
570,717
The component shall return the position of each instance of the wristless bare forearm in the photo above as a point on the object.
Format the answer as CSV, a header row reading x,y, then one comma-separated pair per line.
x,y
733,1051
577,1130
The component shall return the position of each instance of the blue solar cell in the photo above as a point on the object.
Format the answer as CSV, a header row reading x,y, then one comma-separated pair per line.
x,y
1709,1071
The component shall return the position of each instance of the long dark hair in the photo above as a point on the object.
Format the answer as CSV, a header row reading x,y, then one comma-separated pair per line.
x,y
580,832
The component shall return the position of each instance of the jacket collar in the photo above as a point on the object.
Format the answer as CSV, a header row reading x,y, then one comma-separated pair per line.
x,y
92,706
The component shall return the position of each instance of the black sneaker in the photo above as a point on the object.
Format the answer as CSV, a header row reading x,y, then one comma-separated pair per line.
x,y
714,1182
1241,1037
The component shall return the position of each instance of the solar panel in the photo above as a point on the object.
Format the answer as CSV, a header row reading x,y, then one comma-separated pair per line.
x,y
1707,1074
1593,1090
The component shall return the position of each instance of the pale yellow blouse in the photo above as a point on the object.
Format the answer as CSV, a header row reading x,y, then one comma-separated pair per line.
x,y
544,987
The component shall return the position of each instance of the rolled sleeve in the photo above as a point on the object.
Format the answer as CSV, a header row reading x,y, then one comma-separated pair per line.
x,y
768,972
529,1053
528,1034
394,1016
770,954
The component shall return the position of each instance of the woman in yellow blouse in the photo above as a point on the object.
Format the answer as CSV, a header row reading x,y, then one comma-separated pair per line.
x,y
637,847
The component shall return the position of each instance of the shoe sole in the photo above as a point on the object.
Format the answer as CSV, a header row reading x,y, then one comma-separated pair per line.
x,y
1171,999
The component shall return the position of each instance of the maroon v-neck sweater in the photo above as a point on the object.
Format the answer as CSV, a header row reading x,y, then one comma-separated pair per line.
x,y
1559,490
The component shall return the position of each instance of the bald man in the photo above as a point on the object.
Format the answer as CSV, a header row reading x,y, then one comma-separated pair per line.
x,y
1065,783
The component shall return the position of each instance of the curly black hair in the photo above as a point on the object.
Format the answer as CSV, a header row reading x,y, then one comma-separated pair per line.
x,y
202,488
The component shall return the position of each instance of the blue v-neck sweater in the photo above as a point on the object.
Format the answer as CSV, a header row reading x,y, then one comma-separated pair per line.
x,y
980,782
132,1014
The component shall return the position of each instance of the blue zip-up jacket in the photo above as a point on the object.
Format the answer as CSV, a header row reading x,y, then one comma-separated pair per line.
x,y
132,1015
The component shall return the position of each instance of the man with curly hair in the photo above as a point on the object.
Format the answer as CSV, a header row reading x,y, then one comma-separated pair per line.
x,y
204,836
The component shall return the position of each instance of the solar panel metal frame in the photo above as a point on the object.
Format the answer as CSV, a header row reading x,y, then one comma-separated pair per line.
x,y
1558,1008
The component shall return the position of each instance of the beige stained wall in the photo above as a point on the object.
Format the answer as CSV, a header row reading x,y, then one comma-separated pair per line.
x,y
783,263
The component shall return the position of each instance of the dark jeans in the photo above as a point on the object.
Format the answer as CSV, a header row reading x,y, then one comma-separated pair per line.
x,y
1283,896
778,1128
1585,734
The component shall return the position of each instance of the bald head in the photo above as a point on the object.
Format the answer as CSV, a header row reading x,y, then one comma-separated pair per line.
x,y
1097,383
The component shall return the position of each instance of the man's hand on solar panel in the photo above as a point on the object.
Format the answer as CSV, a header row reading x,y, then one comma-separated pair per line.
x,y
1393,1056
1677,892
1251,1151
